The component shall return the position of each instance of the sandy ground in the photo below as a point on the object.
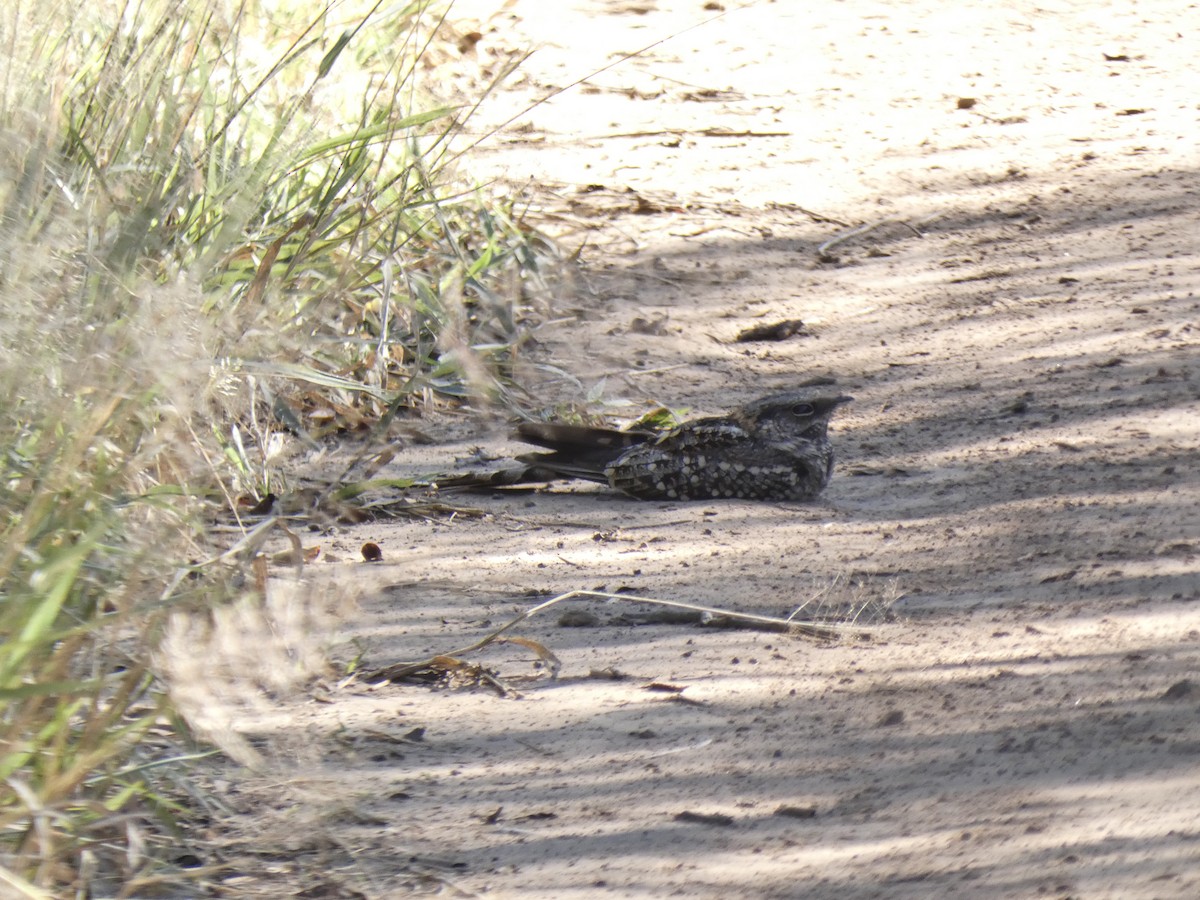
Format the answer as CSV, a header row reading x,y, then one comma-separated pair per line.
x,y
1017,479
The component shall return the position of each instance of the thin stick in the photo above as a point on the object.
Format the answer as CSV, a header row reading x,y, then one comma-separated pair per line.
x,y
790,625
863,229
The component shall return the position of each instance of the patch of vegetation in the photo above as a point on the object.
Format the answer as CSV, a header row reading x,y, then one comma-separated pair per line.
x,y
211,214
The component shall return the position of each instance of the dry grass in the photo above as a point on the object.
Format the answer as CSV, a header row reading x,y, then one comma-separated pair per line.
x,y
216,223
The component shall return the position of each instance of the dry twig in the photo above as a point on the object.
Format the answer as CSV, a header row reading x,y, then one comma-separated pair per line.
x,y
789,625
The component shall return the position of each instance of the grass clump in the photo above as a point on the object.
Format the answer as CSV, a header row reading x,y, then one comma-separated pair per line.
x,y
203,206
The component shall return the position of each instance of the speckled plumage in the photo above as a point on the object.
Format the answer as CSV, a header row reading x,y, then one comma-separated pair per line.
x,y
776,448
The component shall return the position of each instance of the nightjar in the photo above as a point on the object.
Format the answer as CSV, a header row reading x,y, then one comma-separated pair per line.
x,y
775,448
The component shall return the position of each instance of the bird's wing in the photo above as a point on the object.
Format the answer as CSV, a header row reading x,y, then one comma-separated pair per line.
x,y
579,438
578,451
701,433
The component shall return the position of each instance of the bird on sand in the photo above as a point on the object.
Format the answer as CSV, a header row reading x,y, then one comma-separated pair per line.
x,y
774,448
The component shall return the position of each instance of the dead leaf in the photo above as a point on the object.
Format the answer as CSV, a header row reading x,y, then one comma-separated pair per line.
x,y
773,331
544,653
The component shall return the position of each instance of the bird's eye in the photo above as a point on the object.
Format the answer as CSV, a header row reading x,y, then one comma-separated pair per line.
x,y
802,409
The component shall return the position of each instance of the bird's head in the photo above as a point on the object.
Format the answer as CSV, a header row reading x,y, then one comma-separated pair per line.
x,y
801,413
